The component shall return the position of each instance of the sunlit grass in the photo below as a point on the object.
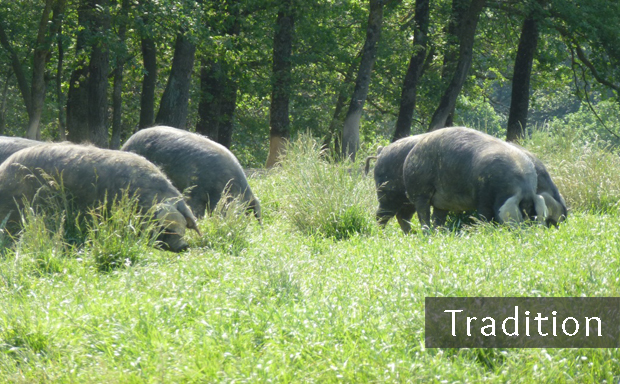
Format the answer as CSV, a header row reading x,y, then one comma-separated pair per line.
x,y
282,303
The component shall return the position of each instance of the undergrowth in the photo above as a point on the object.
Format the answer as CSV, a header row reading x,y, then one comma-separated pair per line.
x,y
321,196
584,171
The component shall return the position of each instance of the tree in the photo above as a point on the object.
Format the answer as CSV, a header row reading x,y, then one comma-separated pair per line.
x,y
218,87
149,60
174,101
77,98
451,49
62,120
34,95
333,132
281,84
589,29
414,71
519,104
98,70
351,129
117,92
3,99
209,105
466,42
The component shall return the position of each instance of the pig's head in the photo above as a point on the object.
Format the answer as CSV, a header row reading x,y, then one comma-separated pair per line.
x,y
557,209
255,207
174,219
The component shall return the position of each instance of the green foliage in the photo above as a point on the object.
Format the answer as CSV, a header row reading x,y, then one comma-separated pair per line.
x,y
111,235
587,126
480,115
323,197
20,339
41,248
326,47
50,227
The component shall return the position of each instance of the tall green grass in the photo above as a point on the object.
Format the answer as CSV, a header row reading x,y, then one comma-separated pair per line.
x,y
586,172
321,196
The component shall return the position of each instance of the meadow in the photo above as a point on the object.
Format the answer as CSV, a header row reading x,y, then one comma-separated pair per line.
x,y
318,293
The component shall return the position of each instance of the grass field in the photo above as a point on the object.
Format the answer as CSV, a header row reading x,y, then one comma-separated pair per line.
x,y
318,293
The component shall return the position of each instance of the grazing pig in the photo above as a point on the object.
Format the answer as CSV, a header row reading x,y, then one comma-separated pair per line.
x,y
556,206
389,183
461,169
90,175
193,161
10,145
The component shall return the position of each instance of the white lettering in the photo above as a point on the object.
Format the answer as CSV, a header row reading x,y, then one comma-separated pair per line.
x,y
453,311
469,319
540,319
492,326
588,325
576,326
527,323
516,320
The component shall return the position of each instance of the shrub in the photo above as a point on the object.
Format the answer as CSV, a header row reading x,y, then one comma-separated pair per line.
x,y
321,196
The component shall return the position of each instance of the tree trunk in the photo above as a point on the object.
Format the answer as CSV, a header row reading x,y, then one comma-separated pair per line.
x,y
227,112
279,121
3,100
337,121
77,98
77,106
218,88
351,129
451,50
519,104
117,90
218,101
147,97
414,72
59,95
99,69
467,33
38,84
174,101
209,104
117,105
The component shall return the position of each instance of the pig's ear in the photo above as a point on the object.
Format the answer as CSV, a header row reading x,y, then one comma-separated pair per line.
x,y
189,216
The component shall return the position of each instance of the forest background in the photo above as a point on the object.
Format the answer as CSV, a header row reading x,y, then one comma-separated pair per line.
x,y
249,73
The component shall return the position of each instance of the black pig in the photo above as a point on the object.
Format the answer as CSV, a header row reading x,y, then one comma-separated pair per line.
x,y
90,175
388,174
193,161
461,169
10,145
